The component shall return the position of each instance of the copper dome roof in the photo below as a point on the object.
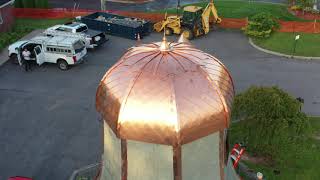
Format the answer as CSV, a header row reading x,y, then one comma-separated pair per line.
x,y
166,96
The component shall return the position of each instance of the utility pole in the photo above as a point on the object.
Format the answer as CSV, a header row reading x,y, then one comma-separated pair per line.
x,y
178,7
295,44
1,20
103,5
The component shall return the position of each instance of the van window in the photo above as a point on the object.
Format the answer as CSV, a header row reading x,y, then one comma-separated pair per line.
x,y
64,29
78,46
82,29
38,50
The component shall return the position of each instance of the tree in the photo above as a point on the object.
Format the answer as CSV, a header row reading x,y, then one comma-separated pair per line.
x,y
270,120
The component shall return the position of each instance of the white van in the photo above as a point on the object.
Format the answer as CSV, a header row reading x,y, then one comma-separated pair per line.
x,y
61,50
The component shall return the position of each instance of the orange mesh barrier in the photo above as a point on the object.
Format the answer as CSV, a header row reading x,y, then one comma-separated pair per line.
x,y
233,23
56,13
292,26
6,18
286,26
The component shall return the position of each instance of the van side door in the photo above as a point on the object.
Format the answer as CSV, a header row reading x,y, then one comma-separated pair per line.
x,y
19,55
39,55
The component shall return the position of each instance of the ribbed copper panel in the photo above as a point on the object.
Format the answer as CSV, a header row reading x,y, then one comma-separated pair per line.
x,y
166,97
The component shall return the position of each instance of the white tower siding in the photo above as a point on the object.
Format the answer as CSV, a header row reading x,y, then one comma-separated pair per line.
x,y
111,169
200,159
149,161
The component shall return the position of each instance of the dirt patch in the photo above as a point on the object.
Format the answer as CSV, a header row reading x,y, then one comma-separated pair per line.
x,y
267,161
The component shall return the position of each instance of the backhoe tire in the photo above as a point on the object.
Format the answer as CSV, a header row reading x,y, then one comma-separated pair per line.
x,y
188,34
168,31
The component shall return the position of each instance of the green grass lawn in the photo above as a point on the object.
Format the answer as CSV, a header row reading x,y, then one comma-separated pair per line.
x,y
22,23
24,26
242,9
307,45
302,162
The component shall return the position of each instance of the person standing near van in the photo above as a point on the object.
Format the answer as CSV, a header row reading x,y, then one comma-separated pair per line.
x,y
26,56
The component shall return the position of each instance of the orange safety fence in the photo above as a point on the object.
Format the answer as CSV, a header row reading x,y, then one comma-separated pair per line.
x,y
56,13
233,23
286,26
293,26
69,13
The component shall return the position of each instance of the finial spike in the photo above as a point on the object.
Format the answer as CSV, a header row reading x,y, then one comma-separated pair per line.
x,y
138,39
164,34
164,46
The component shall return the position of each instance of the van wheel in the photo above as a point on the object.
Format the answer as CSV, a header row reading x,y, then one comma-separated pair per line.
x,y
14,59
63,65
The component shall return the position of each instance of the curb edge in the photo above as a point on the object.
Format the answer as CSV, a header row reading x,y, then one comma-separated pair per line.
x,y
280,54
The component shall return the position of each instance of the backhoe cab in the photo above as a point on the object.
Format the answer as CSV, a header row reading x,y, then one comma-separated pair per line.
x,y
194,21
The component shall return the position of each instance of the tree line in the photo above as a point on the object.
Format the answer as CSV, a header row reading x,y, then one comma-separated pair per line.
x,y
31,4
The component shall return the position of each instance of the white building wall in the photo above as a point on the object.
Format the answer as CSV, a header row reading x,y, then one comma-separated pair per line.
x,y
149,161
111,169
200,159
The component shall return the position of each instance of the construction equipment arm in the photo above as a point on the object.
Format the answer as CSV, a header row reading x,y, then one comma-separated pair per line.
x,y
206,16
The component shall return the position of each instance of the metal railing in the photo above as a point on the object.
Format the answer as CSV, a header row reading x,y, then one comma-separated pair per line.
x,y
89,172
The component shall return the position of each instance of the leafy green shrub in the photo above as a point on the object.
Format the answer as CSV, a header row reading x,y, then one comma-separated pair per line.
x,y
12,36
270,119
261,25
31,4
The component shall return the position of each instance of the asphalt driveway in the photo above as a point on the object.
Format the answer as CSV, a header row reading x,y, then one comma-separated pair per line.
x,y
48,122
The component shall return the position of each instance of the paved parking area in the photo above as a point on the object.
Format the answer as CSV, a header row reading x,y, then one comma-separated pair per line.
x,y
48,122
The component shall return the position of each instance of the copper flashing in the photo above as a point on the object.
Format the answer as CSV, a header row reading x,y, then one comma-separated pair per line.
x,y
166,98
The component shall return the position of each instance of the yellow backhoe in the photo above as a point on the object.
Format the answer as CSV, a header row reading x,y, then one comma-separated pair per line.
x,y
194,22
